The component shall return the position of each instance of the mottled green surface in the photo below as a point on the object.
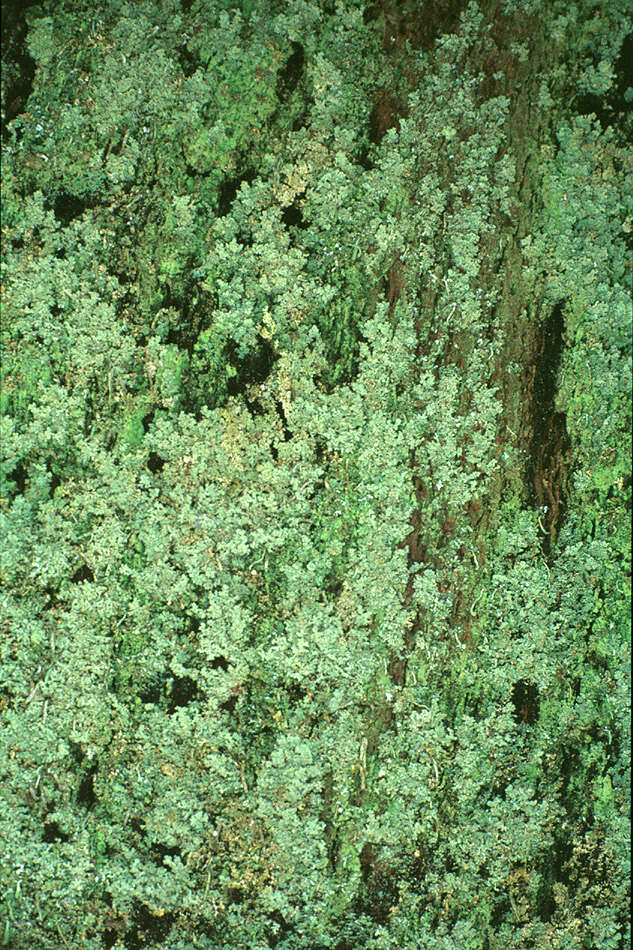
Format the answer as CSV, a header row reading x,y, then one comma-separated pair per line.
x,y
316,490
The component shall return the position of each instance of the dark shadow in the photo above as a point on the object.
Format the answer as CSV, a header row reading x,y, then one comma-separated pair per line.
x,y
159,852
300,121
364,160
18,477
82,573
235,895
52,595
624,72
612,109
53,833
137,824
155,463
292,216
169,692
526,702
76,751
229,189
147,420
18,65
289,76
153,691
86,791
110,936
188,62
55,483
500,913
183,691
148,930
252,369
287,434
556,869
371,13
188,314
229,704
592,104
279,930
296,694
69,207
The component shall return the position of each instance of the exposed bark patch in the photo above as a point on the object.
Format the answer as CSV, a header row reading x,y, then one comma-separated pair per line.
x,y
548,468
332,837
395,284
551,477
379,880
385,114
413,23
397,669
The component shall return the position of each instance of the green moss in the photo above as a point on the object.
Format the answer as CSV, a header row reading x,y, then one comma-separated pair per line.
x,y
316,419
